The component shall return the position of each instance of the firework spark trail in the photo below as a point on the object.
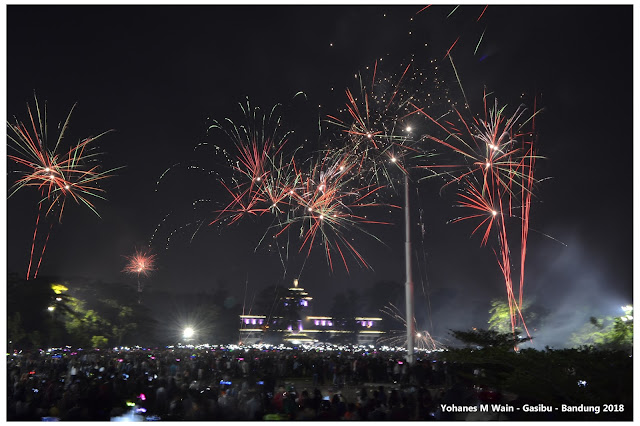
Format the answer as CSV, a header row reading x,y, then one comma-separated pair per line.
x,y
526,197
44,246
491,153
257,159
327,202
33,243
258,148
526,208
484,203
422,263
467,23
423,339
374,126
493,169
142,262
322,200
55,176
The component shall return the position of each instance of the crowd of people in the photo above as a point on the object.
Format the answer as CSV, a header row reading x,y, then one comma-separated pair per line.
x,y
222,384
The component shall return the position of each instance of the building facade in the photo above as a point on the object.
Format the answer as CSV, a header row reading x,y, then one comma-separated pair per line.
x,y
291,323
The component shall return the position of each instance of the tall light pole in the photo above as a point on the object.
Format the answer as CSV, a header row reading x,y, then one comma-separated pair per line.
x,y
408,286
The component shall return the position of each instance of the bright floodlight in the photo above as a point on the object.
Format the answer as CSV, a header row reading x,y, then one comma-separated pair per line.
x,y
188,333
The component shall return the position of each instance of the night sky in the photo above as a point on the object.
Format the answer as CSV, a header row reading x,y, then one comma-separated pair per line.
x,y
158,75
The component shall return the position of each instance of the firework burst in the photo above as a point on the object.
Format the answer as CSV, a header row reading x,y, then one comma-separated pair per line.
x,y
375,126
322,199
494,174
328,205
398,338
141,263
264,176
55,175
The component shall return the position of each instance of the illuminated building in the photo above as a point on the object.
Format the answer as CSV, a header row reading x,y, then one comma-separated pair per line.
x,y
292,324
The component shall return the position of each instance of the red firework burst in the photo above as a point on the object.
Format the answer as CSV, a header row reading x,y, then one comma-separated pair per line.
x,y
55,176
496,169
141,263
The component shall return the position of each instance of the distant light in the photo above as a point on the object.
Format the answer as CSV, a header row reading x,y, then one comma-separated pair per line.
x,y
408,128
51,308
188,333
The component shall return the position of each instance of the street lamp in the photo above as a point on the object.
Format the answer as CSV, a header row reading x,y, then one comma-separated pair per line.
x,y
188,333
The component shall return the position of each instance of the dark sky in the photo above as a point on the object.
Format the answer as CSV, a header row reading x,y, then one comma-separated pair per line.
x,y
159,74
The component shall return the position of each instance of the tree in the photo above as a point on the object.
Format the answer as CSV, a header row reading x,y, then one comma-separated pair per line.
x,y
85,324
123,323
614,333
500,316
122,320
34,309
551,377
489,338
15,332
99,342
621,334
